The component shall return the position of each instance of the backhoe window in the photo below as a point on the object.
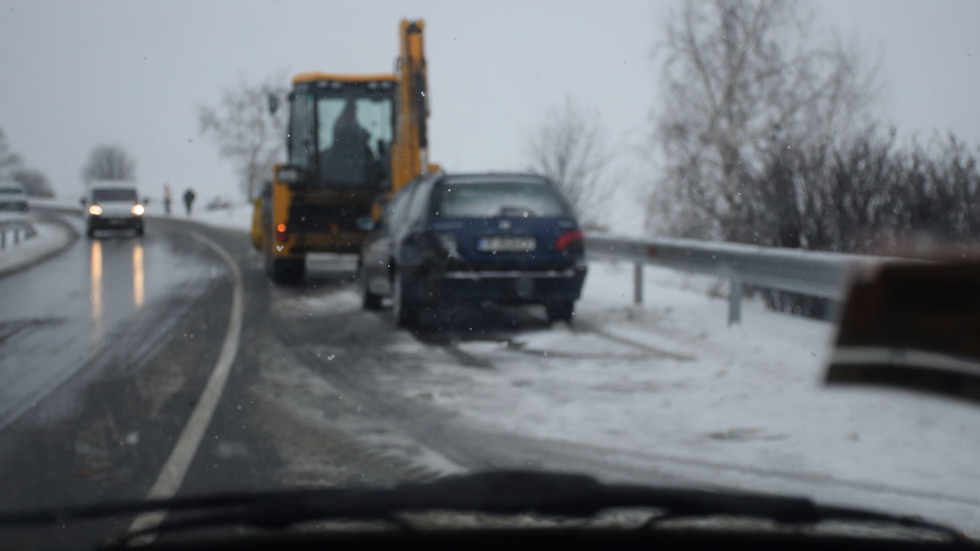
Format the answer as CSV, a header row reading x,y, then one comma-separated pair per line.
x,y
300,131
354,140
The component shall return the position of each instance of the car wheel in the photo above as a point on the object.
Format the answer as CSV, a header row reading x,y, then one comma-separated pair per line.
x,y
90,231
562,310
404,313
139,231
369,300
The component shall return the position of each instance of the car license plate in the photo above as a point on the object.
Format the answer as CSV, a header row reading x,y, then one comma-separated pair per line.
x,y
506,244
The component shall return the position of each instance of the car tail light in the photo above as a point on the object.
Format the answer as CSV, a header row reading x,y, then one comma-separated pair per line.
x,y
570,241
281,232
448,244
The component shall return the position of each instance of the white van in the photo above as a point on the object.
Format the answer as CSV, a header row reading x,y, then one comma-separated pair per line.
x,y
113,205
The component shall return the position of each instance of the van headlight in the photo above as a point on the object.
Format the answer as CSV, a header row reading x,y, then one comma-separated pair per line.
x,y
95,210
137,210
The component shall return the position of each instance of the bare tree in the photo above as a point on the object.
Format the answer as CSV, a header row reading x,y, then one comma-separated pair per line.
x,y
571,148
109,162
35,183
246,132
741,77
9,161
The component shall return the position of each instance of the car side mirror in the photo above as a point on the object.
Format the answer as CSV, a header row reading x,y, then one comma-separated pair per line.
x,y
146,200
82,201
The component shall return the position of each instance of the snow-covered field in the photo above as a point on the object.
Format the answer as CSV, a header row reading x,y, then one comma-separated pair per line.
x,y
668,387
670,383
48,238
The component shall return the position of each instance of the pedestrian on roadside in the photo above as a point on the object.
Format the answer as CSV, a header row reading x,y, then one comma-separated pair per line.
x,y
167,199
189,200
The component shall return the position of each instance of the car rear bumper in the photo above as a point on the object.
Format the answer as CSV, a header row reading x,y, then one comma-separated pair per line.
x,y
504,286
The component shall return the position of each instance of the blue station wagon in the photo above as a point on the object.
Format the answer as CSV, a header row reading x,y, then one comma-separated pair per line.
x,y
474,238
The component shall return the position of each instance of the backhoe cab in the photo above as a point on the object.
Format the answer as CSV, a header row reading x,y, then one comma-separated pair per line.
x,y
351,141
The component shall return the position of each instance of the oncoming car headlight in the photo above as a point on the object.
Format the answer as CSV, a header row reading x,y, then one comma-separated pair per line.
x,y
95,210
137,209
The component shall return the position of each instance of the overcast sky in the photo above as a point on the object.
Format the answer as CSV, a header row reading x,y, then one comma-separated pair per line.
x,y
76,74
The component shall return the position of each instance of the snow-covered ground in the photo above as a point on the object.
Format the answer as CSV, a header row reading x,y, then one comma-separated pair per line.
x,y
669,387
49,237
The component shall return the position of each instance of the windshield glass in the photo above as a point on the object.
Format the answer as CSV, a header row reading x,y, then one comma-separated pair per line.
x,y
354,243
354,137
488,199
114,195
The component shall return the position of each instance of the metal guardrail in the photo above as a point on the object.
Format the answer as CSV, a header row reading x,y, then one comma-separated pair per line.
x,y
13,231
811,273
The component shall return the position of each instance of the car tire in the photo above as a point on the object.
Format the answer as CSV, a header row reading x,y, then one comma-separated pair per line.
x,y
369,300
90,231
139,231
563,310
403,312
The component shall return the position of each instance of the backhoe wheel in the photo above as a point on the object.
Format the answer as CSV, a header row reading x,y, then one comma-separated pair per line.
x,y
369,300
404,313
560,311
286,271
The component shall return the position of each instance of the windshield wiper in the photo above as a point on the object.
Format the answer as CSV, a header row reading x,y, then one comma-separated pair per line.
x,y
499,492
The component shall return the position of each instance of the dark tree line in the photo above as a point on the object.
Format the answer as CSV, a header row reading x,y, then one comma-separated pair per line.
x,y
866,195
35,183
768,139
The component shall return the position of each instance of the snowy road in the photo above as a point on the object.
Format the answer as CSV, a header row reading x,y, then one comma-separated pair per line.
x,y
324,393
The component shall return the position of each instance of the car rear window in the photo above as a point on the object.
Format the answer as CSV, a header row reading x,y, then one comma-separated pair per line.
x,y
488,199
114,195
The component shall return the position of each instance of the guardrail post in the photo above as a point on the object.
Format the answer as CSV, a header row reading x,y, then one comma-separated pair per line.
x,y
734,301
638,283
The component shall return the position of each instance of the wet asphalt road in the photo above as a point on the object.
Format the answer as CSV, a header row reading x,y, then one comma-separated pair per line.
x,y
117,292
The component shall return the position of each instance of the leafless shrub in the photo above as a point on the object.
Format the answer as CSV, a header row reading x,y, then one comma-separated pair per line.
x,y
109,162
570,147
246,132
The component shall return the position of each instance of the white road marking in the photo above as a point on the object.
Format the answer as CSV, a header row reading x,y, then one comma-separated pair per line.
x,y
174,470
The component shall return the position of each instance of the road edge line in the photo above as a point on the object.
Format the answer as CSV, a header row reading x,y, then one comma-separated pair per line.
x,y
175,468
